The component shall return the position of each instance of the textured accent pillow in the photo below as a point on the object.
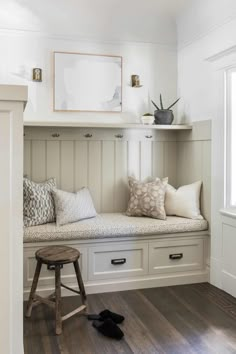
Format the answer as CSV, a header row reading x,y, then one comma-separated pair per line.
x,y
38,202
72,207
147,198
184,201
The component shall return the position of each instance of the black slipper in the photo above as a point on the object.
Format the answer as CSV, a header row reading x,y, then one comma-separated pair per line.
x,y
112,315
92,317
109,329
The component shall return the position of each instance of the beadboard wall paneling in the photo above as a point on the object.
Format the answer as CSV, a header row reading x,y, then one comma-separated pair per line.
x,y
101,161
194,161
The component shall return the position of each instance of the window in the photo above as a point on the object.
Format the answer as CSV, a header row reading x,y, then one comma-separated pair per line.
x,y
231,138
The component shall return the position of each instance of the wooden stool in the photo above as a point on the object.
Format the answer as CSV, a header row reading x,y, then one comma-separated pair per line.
x,y
55,257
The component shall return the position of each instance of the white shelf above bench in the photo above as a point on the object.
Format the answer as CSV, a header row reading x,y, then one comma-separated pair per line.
x,y
105,125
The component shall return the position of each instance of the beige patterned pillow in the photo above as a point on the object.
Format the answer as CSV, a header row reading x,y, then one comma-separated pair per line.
x,y
147,198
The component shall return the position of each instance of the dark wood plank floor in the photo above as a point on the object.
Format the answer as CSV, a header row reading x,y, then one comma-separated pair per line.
x,y
183,319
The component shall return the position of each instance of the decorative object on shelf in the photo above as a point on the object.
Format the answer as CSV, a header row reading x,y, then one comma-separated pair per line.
x,y
37,75
87,82
135,81
147,118
164,116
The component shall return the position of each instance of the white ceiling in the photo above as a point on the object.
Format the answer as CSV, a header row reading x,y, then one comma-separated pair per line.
x,y
134,20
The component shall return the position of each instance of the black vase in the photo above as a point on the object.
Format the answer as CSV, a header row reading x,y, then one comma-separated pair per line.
x,y
163,116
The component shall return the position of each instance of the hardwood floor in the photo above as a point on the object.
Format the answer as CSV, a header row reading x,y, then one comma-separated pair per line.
x,y
183,319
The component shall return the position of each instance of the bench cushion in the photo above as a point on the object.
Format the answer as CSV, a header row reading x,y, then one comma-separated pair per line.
x,y
112,225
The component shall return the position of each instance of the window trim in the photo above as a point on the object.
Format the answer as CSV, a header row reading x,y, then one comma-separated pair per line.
x,y
228,139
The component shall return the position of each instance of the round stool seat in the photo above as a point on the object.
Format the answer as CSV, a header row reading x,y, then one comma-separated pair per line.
x,y
57,255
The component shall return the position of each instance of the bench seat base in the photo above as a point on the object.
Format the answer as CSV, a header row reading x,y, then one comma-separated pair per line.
x,y
125,263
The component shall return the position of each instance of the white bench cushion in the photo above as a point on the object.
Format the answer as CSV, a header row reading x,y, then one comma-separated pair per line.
x,y
112,225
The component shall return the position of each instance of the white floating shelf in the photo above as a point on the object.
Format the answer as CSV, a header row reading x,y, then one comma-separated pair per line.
x,y
105,125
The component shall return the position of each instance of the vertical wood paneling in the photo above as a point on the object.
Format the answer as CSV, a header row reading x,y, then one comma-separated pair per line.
x,y
189,165
108,176
134,159
53,160
104,165
121,175
38,167
67,166
81,164
170,155
194,164
181,156
158,159
206,179
146,159
27,158
94,172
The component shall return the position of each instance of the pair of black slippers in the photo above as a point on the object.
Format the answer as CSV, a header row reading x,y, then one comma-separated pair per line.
x,y
106,323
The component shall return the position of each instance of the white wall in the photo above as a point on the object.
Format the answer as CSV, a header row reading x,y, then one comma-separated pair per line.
x,y
155,63
206,48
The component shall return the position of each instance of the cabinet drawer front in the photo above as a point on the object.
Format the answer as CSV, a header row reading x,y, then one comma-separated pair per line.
x,y
117,261
47,277
175,256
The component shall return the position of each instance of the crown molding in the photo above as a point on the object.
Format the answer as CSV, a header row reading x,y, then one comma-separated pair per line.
x,y
76,38
202,35
221,54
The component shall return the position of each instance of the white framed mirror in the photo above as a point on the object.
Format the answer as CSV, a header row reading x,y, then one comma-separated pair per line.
x,y
87,82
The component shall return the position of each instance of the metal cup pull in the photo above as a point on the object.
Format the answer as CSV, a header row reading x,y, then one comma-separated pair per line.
x,y
176,256
118,261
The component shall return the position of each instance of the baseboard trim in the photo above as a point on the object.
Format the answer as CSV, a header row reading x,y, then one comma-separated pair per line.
x,y
229,283
131,284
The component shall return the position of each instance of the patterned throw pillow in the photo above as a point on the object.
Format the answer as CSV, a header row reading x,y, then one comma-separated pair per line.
x,y
72,207
38,202
147,198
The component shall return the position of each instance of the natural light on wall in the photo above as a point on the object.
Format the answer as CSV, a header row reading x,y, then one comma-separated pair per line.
x,y
231,139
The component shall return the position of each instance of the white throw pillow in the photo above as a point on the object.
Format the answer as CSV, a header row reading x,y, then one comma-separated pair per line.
x,y
184,201
72,207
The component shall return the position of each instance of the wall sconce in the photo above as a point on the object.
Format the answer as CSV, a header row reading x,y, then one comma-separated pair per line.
x,y
135,81
37,74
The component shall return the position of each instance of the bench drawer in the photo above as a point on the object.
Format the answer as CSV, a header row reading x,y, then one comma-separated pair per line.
x,y
47,277
118,261
175,256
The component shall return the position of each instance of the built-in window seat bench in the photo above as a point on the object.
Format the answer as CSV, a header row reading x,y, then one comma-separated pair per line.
x,y
120,252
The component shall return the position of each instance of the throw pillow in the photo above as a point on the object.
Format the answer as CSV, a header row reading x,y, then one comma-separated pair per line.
x,y
184,201
147,198
38,202
72,207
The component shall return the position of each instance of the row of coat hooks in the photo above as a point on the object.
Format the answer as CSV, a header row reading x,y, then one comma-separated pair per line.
x,y
88,135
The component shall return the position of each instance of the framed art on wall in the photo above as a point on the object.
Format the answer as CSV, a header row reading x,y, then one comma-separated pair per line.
x,y
87,82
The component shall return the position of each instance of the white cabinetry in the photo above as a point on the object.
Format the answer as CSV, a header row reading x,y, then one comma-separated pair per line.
x,y
12,100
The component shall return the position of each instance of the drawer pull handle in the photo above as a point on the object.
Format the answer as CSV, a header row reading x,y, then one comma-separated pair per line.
x,y
118,261
148,136
119,136
176,256
88,135
52,266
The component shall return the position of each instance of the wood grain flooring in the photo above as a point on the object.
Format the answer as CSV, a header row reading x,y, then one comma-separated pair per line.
x,y
186,319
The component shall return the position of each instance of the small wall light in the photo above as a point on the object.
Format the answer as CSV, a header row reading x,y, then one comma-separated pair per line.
x,y
135,81
37,74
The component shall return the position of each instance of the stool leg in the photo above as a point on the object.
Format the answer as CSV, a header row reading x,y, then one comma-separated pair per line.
x,y
80,282
58,299
33,289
